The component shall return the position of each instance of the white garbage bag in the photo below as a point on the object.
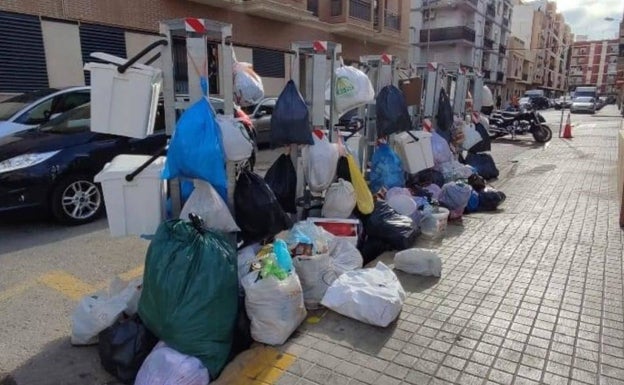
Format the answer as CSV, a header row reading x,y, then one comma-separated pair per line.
x,y
374,296
339,200
471,136
237,144
248,88
353,89
316,273
246,257
165,366
320,162
275,308
96,312
344,256
206,202
305,232
418,261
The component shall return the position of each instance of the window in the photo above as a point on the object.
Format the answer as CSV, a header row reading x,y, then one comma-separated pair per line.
x,y
269,63
73,100
267,108
38,114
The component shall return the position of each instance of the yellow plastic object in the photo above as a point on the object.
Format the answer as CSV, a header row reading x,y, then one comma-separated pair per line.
x,y
363,196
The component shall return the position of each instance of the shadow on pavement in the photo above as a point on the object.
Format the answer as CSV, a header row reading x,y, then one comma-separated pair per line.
x,y
60,363
23,233
523,142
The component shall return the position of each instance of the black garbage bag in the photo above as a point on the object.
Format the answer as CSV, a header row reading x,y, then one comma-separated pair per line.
x,y
241,338
426,177
290,119
342,171
484,164
392,113
385,224
372,248
282,179
485,144
477,182
445,116
490,199
258,213
124,346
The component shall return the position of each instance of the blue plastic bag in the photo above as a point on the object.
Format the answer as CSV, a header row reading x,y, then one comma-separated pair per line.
x,y
386,170
473,202
196,150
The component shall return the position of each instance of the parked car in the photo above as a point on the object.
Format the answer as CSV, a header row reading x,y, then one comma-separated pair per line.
x,y
560,103
260,115
52,167
583,104
31,109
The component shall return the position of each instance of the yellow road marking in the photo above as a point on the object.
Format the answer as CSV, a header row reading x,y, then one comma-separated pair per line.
x,y
16,290
67,284
260,365
132,274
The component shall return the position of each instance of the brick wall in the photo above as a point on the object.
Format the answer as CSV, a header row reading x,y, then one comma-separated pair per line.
x,y
145,15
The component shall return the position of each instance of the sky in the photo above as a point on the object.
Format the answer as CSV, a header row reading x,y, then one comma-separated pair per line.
x,y
586,17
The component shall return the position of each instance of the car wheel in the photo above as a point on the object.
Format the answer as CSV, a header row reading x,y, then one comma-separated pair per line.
x,y
76,200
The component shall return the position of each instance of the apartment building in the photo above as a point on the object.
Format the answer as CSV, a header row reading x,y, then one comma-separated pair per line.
x,y
473,33
620,64
46,43
594,63
519,70
546,38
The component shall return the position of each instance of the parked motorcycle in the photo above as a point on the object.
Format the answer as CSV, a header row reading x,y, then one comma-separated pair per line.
x,y
527,120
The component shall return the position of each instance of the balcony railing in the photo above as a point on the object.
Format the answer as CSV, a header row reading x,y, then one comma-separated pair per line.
x,y
502,49
490,11
313,7
525,77
506,22
500,76
393,21
360,9
335,7
486,74
488,43
444,34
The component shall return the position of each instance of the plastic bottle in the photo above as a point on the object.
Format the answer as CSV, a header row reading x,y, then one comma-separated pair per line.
x,y
282,255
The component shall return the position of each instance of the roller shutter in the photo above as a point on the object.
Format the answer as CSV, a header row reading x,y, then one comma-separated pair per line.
x,y
101,38
22,56
268,63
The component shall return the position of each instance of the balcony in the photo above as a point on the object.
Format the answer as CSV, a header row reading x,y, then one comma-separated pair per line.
x,y
486,75
488,43
525,77
490,11
358,19
392,21
447,34
284,10
500,77
506,22
470,5
502,50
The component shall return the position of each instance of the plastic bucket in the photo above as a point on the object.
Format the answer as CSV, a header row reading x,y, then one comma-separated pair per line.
x,y
434,225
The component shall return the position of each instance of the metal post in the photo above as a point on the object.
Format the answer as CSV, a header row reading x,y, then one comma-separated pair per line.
x,y
565,92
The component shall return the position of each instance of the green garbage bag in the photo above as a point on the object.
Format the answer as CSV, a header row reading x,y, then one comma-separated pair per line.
x,y
190,292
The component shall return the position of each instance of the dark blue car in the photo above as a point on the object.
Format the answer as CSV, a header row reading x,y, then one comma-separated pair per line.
x,y
52,167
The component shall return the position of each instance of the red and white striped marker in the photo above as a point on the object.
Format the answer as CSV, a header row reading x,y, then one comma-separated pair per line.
x,y
192,24
386,59
319,46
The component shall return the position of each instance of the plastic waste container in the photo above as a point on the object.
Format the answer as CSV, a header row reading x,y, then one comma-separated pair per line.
x,y
416,155
123,103
433,225
136,207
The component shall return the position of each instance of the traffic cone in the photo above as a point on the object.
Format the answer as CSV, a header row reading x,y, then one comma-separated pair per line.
x,y
567,130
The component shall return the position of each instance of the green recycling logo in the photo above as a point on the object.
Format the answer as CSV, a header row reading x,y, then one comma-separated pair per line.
x,y
344,86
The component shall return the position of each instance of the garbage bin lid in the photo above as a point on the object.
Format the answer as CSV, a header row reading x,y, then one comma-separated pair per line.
x,y
123,165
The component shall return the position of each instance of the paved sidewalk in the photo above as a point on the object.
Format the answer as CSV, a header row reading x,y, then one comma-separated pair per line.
x,y
531,294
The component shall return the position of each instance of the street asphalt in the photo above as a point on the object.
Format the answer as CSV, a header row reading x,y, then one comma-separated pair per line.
x,y
509,308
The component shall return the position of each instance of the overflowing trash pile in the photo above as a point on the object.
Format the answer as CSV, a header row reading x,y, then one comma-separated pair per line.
x,y
214,281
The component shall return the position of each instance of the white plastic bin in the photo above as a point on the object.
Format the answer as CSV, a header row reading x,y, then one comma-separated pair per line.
x,y
137,207
434,225
415,155
124,104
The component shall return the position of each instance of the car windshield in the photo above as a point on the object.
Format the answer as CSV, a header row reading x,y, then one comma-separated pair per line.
x,y
71,122
11,106
584,99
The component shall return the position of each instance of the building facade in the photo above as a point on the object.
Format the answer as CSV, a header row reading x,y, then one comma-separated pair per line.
x,y
519,70
546,38
620,66
473,33
594,63
46,43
